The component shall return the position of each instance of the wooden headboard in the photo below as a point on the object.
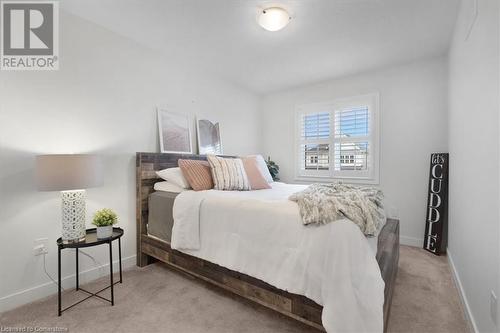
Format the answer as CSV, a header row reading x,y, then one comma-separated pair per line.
x,y
146,165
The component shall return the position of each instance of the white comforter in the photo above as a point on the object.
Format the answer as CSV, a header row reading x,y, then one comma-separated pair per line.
x,y
259,233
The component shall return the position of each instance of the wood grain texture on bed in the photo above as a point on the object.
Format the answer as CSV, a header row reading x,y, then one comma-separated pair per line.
x,y
146,166
295,306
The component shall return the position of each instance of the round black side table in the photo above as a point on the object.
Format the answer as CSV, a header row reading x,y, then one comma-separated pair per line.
x,y
90,240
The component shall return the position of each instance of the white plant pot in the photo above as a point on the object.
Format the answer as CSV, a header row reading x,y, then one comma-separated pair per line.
x,y
104,232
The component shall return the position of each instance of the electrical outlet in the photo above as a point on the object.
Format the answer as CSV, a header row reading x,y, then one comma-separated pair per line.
x,y
494,307
40,246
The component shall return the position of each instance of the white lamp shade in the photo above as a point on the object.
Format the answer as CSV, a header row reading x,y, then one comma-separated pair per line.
x,y
62,172
273,19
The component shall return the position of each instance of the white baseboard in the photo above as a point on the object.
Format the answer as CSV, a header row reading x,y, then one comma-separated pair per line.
x,y
46,289
463,297
411,241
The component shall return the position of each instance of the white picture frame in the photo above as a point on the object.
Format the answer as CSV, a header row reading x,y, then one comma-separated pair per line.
x,y
209,137
174,131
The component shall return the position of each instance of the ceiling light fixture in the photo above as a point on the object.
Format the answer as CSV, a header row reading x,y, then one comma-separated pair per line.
x,y
273,18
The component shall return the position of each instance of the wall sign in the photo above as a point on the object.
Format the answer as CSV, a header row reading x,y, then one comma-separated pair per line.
x,y
436,227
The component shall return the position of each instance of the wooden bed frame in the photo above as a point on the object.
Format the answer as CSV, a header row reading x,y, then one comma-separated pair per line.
x,y
295,306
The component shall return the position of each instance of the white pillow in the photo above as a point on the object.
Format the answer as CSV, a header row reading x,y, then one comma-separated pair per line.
x,y
174,176
261,164
168,187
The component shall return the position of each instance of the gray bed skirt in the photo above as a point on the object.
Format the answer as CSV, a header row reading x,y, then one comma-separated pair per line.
x,y
160,220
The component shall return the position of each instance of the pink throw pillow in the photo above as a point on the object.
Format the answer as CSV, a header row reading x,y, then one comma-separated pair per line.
x,y
197,174
255,178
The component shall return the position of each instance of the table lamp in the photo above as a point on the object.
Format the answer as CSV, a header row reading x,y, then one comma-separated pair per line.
x,y
71,174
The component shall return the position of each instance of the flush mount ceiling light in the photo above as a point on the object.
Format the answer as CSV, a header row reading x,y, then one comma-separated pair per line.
x,y
273,18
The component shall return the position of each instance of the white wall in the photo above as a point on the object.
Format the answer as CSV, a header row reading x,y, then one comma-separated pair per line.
x,y
474,163
102,100
413,124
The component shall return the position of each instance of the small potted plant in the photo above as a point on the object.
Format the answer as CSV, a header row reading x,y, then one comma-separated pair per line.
x,y
274,168
104,220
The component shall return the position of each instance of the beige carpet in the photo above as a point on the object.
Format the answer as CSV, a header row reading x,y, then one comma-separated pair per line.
x,y
156,299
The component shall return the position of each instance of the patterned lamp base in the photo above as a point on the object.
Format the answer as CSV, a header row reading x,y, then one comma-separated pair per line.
x,y
73,216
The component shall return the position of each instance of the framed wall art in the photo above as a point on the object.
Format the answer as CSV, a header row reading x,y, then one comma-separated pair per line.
x,y
175,132
209,139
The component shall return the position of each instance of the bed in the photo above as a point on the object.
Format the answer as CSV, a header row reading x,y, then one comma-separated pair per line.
x,y
153,244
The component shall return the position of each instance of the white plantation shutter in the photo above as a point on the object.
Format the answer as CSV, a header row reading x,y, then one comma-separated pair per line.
x,y
352,140
339,139
314,146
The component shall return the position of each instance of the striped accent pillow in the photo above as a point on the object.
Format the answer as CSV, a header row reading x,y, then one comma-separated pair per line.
x,y
197,174
228,174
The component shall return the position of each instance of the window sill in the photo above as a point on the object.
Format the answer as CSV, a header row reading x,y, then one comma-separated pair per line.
x,y
345,180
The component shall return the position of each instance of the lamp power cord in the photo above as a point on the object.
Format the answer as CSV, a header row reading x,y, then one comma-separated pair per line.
x,y
95,261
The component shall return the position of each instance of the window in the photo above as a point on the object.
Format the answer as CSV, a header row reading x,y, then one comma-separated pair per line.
x,y
339,140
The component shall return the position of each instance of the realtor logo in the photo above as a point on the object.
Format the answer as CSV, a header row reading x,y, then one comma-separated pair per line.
x,y
29,35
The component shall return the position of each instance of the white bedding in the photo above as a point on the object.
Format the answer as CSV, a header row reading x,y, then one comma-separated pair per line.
x,y
168,187
259,233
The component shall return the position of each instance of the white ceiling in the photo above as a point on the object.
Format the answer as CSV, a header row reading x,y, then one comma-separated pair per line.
x,y
325,39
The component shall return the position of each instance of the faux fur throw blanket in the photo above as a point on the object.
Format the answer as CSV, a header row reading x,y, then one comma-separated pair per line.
x,y
325,203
